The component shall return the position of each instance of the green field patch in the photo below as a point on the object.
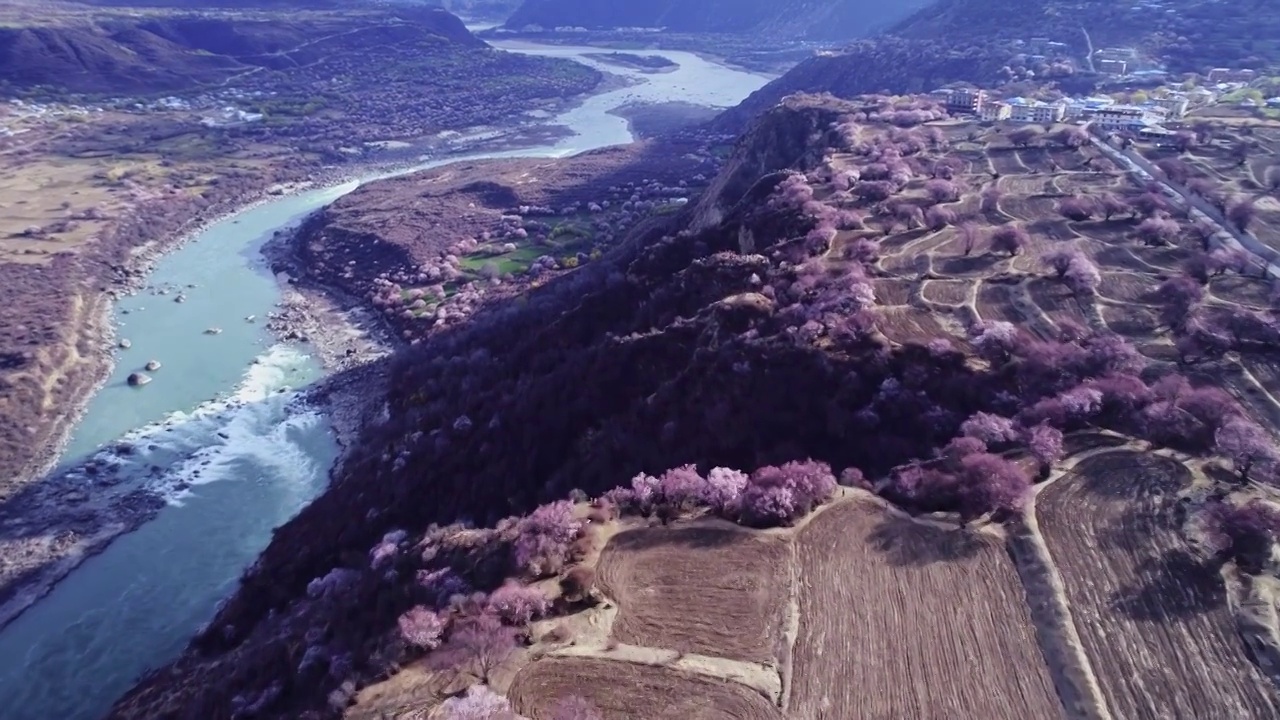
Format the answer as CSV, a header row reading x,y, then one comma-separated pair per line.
x,y
513,262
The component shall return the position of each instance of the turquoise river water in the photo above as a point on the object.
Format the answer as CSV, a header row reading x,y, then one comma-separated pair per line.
x,y
239,452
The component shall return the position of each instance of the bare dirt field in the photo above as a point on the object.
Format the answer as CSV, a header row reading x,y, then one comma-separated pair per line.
x,y
627,690
901,620
1153,620
716,591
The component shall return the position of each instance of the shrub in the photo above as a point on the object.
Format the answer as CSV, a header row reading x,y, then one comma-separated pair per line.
x,y
1024,136
989,483
477,644
518,604
1178,296
942,191
1247,445
1150,204
1112,205
1060,260
544,538
939,217
779,495
961,447
996,340
1045,443
1082,276
1243,533
1077,208
1174,169
723,489
1072,137
792,193
680,485
990,429
478,703
422,628
1241,214
1158,231
875,191
1009,239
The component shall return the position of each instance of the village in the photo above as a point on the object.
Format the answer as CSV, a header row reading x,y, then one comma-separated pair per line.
x,y
1134,97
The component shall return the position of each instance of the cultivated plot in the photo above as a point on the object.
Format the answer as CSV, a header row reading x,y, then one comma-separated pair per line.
x,y
705,590
1153,619
900,620
629,690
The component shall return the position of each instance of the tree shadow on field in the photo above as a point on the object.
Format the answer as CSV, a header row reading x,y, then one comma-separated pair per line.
x,y
967,264
903,543
1176,585
695,538
1131,476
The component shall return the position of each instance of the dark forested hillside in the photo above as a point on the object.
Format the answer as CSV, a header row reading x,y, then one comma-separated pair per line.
x,y
811,19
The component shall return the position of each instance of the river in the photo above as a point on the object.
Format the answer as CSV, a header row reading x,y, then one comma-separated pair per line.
x,y
223,433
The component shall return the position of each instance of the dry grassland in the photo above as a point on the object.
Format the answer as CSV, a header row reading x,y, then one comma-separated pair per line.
x,y
1153,619
718,591
628,690
900,620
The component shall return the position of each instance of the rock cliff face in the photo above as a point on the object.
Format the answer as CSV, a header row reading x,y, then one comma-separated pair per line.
x,y
810,19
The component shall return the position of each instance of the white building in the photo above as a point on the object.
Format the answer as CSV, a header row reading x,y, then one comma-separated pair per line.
x,y
1035,111
996,111
1126,117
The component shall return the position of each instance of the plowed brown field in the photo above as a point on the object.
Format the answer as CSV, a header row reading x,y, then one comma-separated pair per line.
x,y
1153,620
624,690
902,621
711,591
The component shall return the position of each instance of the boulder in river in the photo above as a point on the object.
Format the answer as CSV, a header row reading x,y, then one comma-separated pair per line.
x,y
138,379
124,344
212,330
180,298
152,365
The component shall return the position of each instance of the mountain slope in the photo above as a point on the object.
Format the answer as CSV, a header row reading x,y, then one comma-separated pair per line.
x,y
810,19
156,53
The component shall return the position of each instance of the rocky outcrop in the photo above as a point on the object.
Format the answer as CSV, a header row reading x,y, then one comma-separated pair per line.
x,y
791,135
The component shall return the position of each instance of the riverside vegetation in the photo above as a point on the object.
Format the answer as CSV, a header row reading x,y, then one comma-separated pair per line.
x,y
886,368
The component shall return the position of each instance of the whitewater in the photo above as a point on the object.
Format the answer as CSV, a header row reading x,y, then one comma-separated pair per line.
x,y
225,433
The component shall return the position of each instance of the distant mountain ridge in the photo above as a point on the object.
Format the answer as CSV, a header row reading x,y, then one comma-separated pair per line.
x,y
794,19
925,50
155,53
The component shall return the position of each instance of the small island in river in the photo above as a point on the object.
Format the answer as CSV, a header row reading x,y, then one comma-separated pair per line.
x,y
643,63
